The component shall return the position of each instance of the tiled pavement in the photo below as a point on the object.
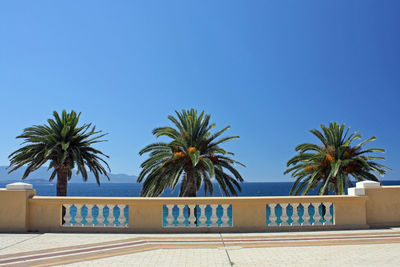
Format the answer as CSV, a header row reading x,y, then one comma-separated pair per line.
x,y
355,255
332,248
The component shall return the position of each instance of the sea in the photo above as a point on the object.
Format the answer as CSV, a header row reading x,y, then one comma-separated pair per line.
x,y
133,189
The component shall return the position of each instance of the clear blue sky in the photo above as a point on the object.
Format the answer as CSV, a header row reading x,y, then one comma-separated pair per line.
x,y
270,69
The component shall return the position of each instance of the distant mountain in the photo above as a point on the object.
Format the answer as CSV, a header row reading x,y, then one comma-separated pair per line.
x,y
42,175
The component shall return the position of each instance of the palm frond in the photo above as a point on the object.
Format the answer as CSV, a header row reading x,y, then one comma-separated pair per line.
x,y
64,145
331,164
193,156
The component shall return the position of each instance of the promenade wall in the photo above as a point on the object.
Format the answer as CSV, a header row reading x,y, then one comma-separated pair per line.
x,y
368,205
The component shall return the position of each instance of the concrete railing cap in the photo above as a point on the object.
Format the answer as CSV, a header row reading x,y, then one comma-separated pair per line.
x,y
368,184
354,191
19,186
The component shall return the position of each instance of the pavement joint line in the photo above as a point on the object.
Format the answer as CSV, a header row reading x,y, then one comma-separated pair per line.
x,y
30,238
226,251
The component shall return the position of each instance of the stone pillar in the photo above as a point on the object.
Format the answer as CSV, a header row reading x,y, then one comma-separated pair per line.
x,y
14,208
383,204
146,216
249,216
359,190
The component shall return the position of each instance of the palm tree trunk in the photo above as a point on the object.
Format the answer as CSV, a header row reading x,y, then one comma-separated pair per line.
x,y
191,188
336,189
62,182
191,191
62,189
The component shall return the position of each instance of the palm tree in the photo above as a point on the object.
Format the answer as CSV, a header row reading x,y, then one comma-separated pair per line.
x,y
330,166
193,156
65,145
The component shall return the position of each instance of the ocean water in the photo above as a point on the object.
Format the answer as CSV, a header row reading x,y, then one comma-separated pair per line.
x,y
133,189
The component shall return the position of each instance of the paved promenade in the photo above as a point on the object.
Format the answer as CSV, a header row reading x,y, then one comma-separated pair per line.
x,y
378,247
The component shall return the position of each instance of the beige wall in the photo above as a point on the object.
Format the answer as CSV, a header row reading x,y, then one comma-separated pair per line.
x,y
249,213
21,211
351,212
14,210
383,206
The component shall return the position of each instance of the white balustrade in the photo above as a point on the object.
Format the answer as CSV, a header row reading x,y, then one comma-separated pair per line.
x,y
121,218
107,220
272,216
306,216
225,216
74,215
284,217
295,214
214,217
316,216
111,217
328,215
100,216
191,217
67,215
89,216
88,220
203,218
181,218
170,217
78,216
